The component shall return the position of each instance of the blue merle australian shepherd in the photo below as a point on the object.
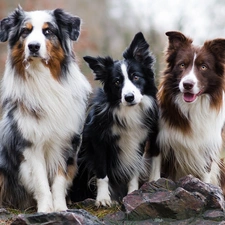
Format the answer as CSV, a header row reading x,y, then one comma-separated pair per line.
x,y
122,117
44,97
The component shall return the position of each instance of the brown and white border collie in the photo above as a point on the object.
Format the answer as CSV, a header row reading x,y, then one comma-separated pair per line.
x,y
44,97
192,107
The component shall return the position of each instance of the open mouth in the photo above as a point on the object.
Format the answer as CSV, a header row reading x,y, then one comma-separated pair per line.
x,y
190,97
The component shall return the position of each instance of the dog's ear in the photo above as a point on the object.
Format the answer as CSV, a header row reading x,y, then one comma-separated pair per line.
x,y
10,22
216,47
177,39
68,23
100,66
139,50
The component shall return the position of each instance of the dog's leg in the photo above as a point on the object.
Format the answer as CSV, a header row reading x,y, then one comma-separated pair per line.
x,y
34,177
100,162
59,189
103,194
133,184
60,185
206,177
155,168
212,175
153,155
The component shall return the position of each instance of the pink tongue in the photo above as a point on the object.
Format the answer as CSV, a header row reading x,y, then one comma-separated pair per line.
x,y
188,97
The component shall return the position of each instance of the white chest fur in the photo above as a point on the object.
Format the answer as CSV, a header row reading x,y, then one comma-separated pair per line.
x,y
196,149
134,132
59,106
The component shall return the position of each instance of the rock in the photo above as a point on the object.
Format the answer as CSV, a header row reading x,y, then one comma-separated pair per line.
x,y
119,217
214,195
157,190
216,215
164,202
187,198
73,217
4,215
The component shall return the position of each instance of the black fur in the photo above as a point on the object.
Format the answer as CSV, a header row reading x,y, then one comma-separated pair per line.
x,y
68,24
11,150
100,153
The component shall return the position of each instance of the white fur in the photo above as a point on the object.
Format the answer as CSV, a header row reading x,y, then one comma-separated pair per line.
x,y
191,77
129,88
37,19
58,189
33,175
205,140
60,106
155,168
103,195
133,135
63,110
133,184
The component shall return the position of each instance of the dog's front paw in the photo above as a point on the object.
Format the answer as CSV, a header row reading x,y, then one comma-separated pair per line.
x,y
59,209
59,205
46,207
103,201
45,203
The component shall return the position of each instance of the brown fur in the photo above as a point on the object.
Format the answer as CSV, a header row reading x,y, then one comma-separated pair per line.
x,y
17,57
209,70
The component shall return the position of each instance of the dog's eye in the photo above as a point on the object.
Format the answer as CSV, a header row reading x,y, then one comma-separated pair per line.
x,y
203,67
25,32
117,83
135,78
47,32
182,65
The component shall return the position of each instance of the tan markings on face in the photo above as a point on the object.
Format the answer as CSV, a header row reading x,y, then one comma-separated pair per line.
x,y
29,26
45,26
17,57
56,55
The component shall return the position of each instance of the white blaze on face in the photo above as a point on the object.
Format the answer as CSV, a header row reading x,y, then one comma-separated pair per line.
x,y
189,85
131,95
37,20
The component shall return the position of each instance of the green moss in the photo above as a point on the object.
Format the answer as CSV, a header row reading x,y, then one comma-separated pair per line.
x,y
100,212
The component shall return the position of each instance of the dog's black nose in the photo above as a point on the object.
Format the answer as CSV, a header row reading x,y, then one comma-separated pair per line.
x,y
34,47
129,97
188,85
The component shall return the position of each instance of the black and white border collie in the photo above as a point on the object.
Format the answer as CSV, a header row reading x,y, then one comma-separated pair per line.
x,y
44,98
191,101
122,117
